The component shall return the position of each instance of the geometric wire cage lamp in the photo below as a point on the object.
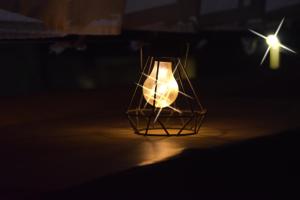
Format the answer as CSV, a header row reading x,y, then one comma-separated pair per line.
x,y
164,102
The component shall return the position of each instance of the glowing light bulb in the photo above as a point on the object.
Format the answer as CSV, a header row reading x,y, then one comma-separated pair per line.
x,y
163,91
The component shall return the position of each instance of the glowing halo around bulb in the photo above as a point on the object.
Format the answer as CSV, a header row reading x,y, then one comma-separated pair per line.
x,y
161,90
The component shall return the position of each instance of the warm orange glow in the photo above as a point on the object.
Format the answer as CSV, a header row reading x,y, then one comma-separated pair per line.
x,y
155,151
166,86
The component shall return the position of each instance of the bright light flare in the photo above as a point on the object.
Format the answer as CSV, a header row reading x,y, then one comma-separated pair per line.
x,y
274,46
273,41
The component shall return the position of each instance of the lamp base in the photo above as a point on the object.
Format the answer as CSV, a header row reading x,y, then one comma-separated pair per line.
x,y
169,123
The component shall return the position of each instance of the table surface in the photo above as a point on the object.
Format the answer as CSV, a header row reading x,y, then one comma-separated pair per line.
x,y
52,142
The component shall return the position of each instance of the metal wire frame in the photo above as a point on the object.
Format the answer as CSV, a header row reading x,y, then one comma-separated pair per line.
x,y
191,117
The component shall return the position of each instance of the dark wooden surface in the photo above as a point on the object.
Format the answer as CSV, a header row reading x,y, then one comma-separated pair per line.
x,y
57,141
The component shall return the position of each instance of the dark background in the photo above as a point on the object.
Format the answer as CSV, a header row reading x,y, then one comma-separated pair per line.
x,y
64,133
218,61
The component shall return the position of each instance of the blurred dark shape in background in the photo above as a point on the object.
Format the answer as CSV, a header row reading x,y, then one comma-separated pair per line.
x,y
59,17
40,55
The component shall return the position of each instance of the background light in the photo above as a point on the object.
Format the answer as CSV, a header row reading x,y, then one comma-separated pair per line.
x,y
274,46
273,41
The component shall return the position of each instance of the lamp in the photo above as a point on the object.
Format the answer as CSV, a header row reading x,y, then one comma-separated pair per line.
x,y
164,101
